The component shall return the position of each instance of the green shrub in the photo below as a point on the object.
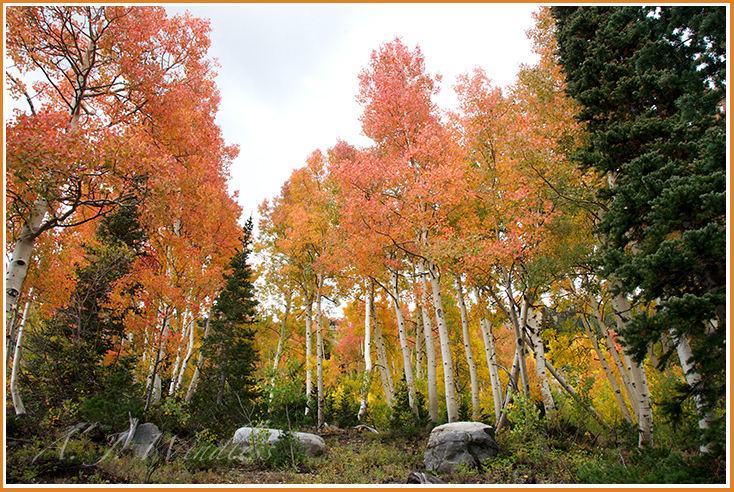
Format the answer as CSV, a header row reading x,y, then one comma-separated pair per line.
x,y
120,396
402,418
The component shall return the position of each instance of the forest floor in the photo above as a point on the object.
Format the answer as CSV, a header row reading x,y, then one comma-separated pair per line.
x,y
352,457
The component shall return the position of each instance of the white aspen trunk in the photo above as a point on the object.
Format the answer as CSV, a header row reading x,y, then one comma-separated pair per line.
x,y
367,349
177,363
402,336
638,379
448,367
621,367
491,355
309,351
279,348
512,316
319,355
608,371
18,266
14,392
153,388
9,339
430,350
536,339
519,325
476,410
419,342
693,378
199,362
511,387
383,364
189,353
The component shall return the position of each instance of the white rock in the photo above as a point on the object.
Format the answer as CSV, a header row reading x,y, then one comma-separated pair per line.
x,y
247,436
468,443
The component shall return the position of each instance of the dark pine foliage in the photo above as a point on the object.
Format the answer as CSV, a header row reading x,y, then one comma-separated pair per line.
x,y
228,381
77,356
651,83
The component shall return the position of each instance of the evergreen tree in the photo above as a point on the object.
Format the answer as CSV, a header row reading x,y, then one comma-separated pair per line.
x,y
79,349
230,348
652,85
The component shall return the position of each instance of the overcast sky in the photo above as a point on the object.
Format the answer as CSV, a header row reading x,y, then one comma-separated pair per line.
x,y
288,74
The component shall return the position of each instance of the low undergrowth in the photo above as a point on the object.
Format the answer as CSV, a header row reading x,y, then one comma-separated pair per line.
x,y
532,451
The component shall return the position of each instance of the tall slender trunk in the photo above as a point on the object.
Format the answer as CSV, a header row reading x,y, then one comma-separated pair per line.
x,y
705,417
309,351
279,348
18,266
189,353
430,348
637,376
519,323
14,392
448,367
319,355
618,362
369,295
177,364
511,388
383,363
151,389
534,332
419,342
475,408
607,370
402,336
199,361
511,314
491,355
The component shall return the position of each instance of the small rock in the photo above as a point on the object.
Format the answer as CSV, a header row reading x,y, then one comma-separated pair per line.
x,y
423,478
144,440
366,428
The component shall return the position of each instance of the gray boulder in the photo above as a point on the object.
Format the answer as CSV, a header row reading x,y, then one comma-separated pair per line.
x,y
467,443
312,444
144,440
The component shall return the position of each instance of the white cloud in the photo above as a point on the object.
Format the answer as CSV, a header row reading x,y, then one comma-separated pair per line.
x,y
288,75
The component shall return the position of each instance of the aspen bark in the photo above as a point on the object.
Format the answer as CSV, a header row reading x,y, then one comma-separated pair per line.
x,y
14,392
430,349
18,266
621,367
177,364
419,342
448,367
309,351
279,348
369,294
638,378
536,339
189,353
511,314
199,362
608,371
693,379
476,410
319,355
402,336
491,355
383,364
